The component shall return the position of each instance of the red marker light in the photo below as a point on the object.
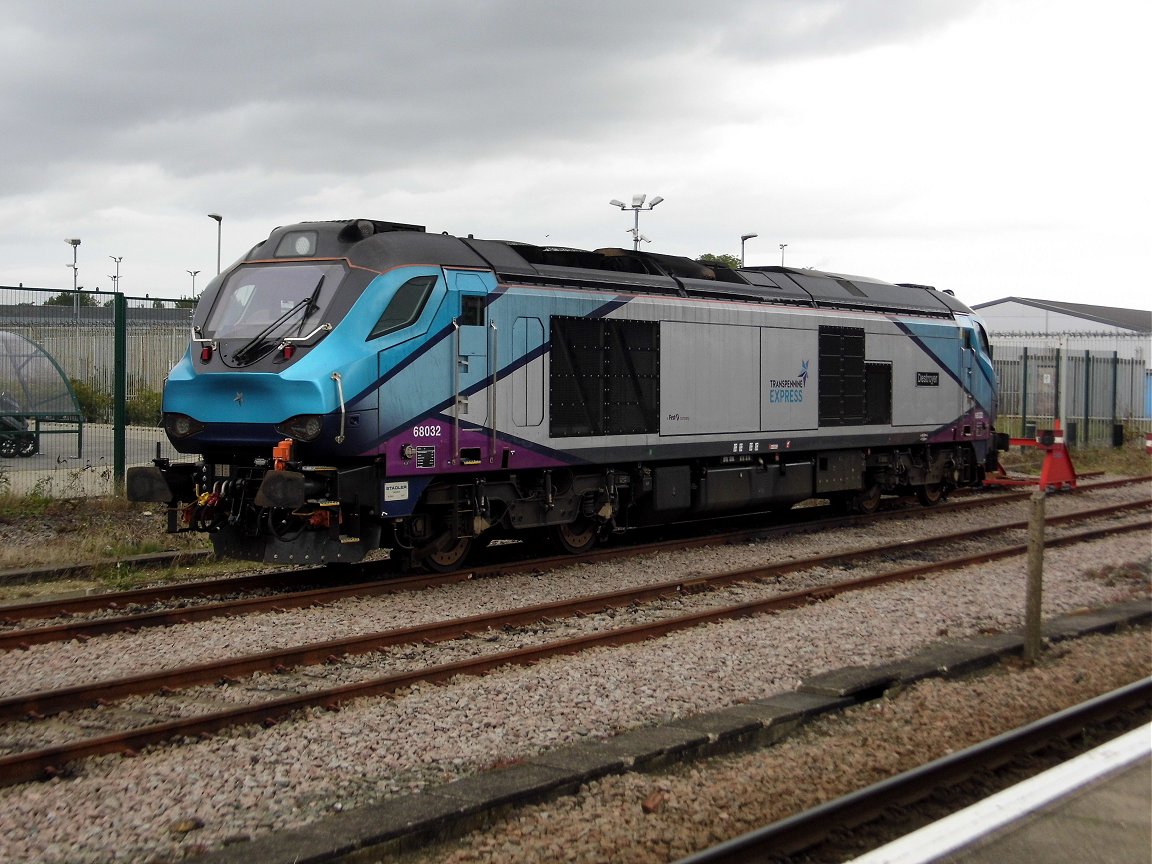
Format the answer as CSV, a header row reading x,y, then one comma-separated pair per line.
x,y
205,353
289,350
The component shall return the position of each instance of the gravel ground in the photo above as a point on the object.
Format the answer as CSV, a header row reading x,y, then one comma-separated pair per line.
x,y
172,801
650,818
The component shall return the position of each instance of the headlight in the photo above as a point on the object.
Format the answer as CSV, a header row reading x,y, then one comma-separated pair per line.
x,y
181,425
302,427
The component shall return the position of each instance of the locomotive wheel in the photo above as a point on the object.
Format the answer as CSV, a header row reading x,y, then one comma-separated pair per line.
x,y
576,537
448,557
930,494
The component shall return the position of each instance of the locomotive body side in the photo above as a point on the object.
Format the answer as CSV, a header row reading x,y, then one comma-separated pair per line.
x,y
427,393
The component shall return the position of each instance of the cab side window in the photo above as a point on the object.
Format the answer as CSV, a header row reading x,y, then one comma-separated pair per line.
x,y
471,310
405,306
984,343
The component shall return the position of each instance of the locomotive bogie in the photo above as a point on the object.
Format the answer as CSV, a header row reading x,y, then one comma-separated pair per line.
x,y
427,393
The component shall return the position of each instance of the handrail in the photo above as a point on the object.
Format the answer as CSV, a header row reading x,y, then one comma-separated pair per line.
x,y
290,339
455,394
340,395
493,359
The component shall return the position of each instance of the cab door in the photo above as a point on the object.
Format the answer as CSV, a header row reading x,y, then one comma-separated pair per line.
x,y
472,348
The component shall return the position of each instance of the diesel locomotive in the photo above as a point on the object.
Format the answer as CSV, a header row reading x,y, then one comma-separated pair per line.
x,y
363,384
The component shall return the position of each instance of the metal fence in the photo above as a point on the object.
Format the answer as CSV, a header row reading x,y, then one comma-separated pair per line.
x,y
1099,386
117,382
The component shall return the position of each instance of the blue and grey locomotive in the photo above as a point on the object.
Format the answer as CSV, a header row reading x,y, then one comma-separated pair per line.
x,y
363,384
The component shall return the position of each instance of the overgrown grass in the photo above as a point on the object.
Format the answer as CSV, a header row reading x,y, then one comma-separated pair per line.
x,y
123,578
35,504
15,506
37,530
1129,460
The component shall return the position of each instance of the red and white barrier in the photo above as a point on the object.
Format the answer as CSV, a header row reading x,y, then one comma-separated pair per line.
x,y
1056,472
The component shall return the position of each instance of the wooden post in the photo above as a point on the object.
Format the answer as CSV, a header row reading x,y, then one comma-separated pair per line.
x,y
1033,594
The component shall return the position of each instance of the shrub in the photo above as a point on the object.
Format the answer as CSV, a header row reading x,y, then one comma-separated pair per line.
x,y
95,404
143,409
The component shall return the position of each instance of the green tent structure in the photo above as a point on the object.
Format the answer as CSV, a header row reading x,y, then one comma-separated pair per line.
x,y
35,397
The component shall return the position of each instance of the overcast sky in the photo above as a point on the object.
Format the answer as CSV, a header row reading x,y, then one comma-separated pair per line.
x,y
989,147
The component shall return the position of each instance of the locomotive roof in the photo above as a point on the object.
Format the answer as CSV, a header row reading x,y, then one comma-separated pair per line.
x,y
380,245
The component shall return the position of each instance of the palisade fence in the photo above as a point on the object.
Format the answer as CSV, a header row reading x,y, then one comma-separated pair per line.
x,y
1100,385
82,335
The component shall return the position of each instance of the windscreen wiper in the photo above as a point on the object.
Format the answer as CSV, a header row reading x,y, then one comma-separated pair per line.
x,y
311,307
259,345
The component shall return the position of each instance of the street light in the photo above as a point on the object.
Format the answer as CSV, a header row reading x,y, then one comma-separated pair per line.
x,y
193,273
74,242
782,245
219,227
116,278
636,206
744,238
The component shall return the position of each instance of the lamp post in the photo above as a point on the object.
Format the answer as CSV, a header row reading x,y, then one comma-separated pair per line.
x,y
193,273
74,242
219,228
636,206
782,245
116,278
743,239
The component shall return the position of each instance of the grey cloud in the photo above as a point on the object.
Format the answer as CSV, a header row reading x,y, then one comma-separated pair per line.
x,y
219,86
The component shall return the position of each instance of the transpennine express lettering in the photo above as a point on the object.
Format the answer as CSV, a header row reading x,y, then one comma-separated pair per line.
x,y
786,390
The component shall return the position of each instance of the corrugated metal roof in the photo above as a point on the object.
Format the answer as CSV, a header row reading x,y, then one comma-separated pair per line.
x,y
1137,320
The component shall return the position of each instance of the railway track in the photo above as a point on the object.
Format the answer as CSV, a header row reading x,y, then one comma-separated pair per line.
x,y
807,831
47,761
197,591
157,560
193,601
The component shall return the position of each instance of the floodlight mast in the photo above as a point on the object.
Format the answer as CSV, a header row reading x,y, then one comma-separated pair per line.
x,y
74,242
219,220
636,206
743,239
116,278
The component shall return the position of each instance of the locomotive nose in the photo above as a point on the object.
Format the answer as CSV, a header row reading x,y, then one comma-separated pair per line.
x,y
245,410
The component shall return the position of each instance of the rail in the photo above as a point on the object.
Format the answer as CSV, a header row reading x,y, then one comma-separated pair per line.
x,y
805,829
